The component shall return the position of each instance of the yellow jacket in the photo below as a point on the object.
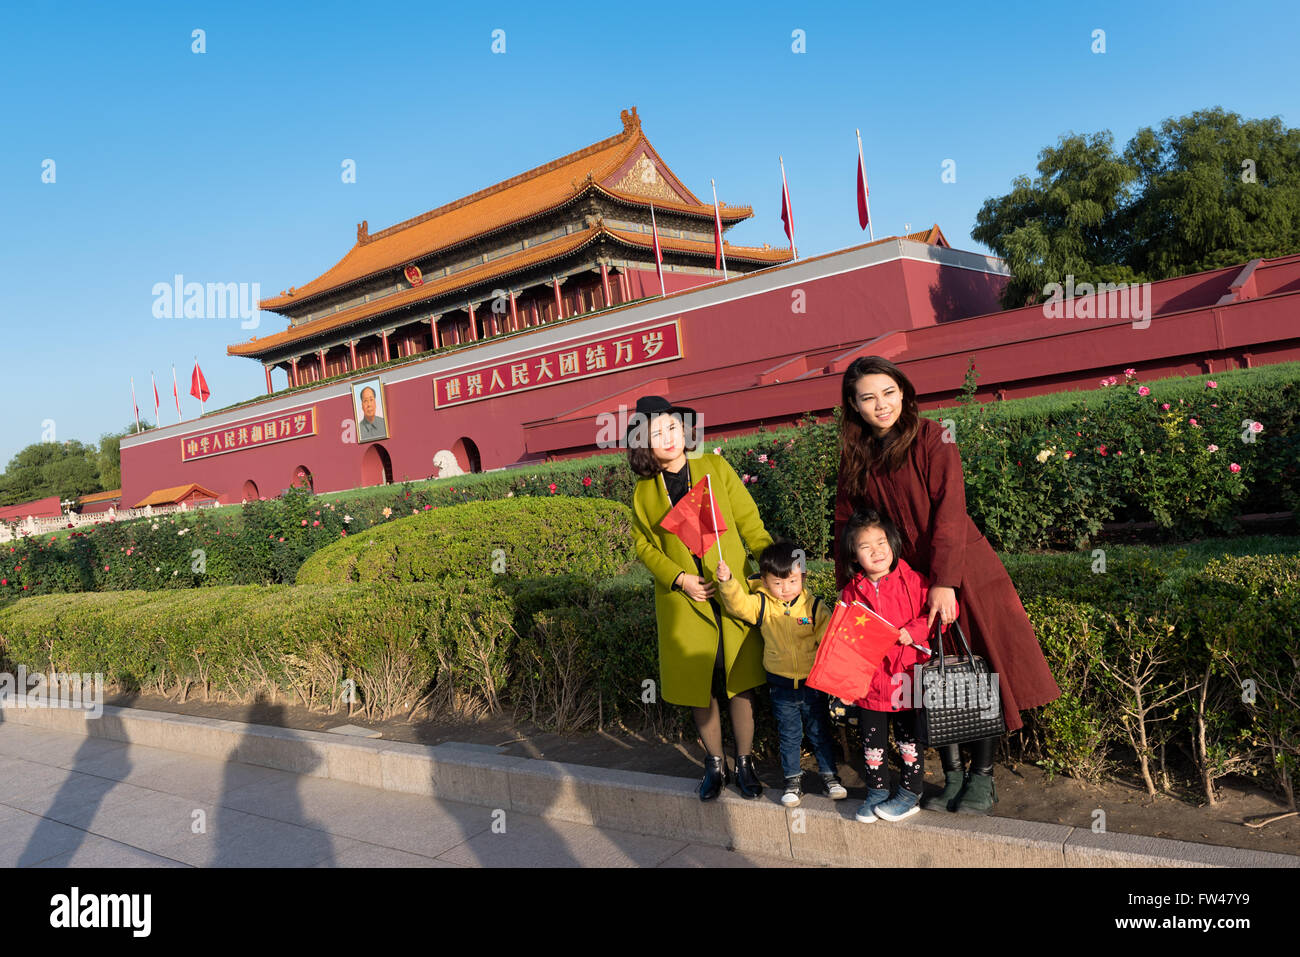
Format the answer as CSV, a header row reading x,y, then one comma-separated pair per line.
x,y
791,633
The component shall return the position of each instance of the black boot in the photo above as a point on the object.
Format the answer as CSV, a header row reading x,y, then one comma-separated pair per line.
x,y
746,778
954,780
715,776
979,795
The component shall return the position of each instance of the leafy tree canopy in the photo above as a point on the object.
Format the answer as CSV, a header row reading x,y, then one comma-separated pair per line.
x,y
1204,191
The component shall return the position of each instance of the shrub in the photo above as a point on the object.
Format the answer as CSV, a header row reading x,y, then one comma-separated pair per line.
x,y
484,540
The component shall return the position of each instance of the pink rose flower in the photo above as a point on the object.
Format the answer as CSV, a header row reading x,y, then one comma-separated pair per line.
x,y
1101,449
1143,390
586,481
1211,448
1234,468
1192,423
1165,407
1211,384
1130,373
1257,426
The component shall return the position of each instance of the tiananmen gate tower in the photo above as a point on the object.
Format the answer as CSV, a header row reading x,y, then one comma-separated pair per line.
x,y
499,328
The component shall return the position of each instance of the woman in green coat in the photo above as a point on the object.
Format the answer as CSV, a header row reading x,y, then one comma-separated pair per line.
x,y
702,653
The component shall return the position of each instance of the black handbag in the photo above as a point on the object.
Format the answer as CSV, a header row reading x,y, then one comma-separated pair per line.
x,y
956,699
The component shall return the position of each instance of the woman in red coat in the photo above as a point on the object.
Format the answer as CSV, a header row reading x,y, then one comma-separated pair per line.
x,y
895,461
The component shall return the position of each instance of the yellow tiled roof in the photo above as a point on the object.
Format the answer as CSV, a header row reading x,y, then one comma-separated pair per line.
x,y
510,201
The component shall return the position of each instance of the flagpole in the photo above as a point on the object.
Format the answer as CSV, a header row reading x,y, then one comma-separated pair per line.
x,y
176,394
708,482
135,405
866,193
717,218
659,256
157,404
789,206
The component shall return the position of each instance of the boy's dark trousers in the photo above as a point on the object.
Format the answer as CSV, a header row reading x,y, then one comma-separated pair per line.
x,y
799,711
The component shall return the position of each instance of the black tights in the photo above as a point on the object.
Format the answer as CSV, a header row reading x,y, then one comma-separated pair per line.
x,y
874,726
708,721
981,756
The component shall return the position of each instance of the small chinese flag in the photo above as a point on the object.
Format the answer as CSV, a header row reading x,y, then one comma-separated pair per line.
x,y
855,643
692,519
864,211
199,385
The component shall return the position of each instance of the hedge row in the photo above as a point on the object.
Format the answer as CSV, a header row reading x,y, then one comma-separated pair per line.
x,y
269,541
1047,471
1167,668
527,538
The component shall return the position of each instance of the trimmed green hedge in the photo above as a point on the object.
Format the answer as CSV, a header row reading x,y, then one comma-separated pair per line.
x,y
1170,665
525,538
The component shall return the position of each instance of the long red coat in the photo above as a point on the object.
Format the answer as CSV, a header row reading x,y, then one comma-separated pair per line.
x,y
926,499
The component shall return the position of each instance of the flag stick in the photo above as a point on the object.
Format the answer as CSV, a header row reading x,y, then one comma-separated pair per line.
x,y
659,256
717,215
866,193
135,405
708,482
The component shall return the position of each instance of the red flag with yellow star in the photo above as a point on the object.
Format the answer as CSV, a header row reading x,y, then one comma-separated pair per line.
x,y
695,519
855,643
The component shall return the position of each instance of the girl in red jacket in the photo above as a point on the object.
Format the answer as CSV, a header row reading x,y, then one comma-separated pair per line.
x,y
892,589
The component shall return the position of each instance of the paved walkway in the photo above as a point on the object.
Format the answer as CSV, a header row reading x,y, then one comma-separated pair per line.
x,y
67,800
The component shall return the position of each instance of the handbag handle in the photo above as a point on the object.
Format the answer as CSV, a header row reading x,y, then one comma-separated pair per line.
x,y
937,627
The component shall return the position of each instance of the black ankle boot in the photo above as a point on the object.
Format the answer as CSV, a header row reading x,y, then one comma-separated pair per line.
x,y
715,776
746,778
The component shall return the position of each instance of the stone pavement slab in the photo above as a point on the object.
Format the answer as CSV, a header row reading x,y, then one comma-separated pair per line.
x,y
73,800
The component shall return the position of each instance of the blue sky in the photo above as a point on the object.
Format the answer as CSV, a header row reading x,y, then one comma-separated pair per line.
x,y
225,166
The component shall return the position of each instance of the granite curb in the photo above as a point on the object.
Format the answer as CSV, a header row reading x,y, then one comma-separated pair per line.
x,y
818,832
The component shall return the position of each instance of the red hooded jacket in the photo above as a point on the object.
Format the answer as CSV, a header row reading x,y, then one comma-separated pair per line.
x,y
899,598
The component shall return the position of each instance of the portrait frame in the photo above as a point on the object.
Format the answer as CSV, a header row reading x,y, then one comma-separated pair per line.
x,y
369,434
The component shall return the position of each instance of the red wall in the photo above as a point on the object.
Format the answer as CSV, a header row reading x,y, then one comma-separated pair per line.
x,y
930,318
39,508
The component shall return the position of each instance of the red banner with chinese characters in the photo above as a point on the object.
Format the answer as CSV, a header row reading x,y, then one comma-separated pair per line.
x,y
569,362
267,430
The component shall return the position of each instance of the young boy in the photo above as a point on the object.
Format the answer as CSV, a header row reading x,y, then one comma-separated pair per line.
x,y
792,622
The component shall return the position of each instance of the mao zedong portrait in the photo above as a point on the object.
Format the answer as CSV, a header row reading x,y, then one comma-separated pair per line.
x,y
370,423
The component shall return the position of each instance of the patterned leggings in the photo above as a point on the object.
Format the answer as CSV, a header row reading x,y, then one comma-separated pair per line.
x,y
874,726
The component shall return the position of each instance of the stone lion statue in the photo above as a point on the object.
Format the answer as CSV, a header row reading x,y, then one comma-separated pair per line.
x,y
446,464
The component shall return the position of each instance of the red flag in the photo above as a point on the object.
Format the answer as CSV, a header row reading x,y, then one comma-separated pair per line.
x,y
156,403
659,256
787,212
693,519
855,642
135,405
199,385
176,394
864,211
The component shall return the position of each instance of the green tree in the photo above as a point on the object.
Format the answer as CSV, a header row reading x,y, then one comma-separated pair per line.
x,y
1062,222
65,469
109,457
1207,190
1215,190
